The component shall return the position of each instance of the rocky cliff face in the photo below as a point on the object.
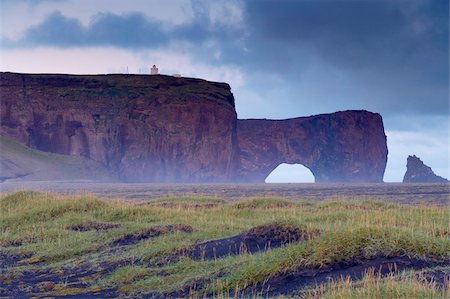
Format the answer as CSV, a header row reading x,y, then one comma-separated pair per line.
x,y
145,128
347,146
166,129
418,172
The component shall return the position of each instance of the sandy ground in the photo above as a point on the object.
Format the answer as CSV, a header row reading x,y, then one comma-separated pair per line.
x,y
409,193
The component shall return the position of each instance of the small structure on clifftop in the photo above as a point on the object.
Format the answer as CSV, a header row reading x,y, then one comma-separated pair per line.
x,y
418,172
154,70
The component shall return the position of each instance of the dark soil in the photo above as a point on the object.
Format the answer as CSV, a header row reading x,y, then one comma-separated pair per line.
x,y
66,282
169,205
257,239
188,290
297,282
11,244
74,280
152,232
292,283
440,277
98,226
9,259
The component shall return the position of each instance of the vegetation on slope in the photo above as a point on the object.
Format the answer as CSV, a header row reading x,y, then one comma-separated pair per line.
x,y
19,161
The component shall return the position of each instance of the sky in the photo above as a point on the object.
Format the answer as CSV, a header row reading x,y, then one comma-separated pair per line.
x,y
282,59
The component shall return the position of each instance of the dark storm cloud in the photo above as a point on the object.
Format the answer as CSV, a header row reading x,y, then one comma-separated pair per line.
x,y
131,30
390,56
353,32
346,32
57,30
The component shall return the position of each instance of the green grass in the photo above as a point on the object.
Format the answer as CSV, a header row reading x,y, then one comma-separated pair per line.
x,y
349,229
374,286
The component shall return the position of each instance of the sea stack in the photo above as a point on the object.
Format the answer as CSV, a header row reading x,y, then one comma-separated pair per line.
x,y
418,172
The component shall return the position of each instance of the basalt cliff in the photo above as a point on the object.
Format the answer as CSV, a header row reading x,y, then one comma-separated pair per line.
x,y
165,129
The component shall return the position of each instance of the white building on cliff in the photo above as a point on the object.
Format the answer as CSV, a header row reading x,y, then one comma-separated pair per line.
x,y
154,70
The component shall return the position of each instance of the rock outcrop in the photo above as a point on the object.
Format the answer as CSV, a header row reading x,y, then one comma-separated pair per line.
x,y
347,146
418,172
166,129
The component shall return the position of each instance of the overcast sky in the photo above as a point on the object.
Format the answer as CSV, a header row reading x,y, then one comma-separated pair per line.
x,y
283,59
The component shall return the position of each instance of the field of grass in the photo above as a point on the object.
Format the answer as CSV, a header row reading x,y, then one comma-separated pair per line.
x,y
86,247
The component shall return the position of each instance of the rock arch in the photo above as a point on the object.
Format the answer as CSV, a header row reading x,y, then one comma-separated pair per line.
x,y
348,146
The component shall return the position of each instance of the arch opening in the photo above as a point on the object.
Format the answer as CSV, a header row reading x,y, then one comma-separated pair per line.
x,y
290,173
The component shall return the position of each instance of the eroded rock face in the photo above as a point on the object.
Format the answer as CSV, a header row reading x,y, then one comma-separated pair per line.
x,y
166,129
418,172
145,128
348,146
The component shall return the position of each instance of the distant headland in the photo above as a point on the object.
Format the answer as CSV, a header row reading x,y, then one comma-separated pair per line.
x,y
144,128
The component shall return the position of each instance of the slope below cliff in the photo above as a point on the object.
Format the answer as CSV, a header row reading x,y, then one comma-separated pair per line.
x,y
19,162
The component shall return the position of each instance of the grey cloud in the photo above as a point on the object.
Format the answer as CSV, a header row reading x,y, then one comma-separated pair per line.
x,y
387,56
57,30
132,30
392,56
352,32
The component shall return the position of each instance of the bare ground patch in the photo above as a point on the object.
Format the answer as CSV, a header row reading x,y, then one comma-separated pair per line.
x,y
9,259
11,244
91,225
260,238
440,277
152,232
292,283
169,205
72,281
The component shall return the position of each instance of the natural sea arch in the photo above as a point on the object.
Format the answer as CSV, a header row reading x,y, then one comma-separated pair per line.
x,y
290,173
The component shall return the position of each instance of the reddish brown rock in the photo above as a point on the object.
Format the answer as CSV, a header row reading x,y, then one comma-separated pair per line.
x,y
167,129
347,146
418,172
144,128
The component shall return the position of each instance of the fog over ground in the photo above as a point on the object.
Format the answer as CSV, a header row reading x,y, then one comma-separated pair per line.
x,y
282,59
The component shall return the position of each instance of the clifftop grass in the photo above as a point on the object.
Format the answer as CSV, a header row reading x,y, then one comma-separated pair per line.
x,y
37,225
